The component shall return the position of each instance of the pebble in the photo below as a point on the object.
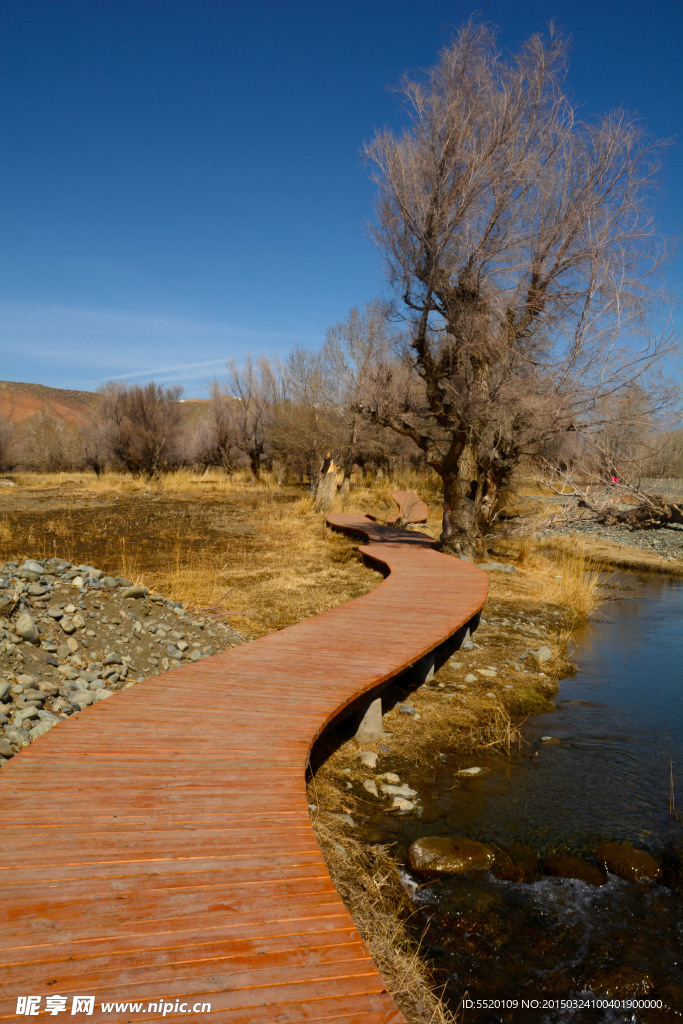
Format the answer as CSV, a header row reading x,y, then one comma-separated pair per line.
x,y
368,758
16,736
345,818
32,566
400,803
26,628
471,678
541,655
370,786
39,730
404,790
496,566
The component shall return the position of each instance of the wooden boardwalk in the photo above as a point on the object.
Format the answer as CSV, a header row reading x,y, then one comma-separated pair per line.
x,y
157,846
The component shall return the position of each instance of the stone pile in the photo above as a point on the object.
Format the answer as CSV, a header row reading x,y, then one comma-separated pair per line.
x,y
71,635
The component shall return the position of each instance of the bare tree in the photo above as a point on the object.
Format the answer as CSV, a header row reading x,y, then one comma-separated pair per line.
x,y
304,426
97,438
212,439
7,434
354,354
518,241
143,426
252,385
48,444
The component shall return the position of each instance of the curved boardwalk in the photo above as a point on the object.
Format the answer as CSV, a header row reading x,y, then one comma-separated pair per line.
x,y
157,846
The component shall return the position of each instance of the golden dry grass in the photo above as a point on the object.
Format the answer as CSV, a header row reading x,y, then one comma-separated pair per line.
x,y
568,578
258,559
181,481
367,878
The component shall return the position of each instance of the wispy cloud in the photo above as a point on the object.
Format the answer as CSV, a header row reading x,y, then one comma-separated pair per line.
x,y
74,346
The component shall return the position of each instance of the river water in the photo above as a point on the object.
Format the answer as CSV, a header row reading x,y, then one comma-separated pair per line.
x,y
599,768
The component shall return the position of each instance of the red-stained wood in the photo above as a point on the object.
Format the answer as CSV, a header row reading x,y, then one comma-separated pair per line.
x,y
411,507
158,846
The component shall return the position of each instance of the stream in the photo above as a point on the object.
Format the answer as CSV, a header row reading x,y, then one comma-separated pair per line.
x,y
604,766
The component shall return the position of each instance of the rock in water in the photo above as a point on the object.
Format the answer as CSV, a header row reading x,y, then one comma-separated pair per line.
x,y
516,863
563,865
404,790
627,862
441,855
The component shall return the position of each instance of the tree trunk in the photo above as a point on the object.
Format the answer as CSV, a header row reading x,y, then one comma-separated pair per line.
x,y
327,486
470,493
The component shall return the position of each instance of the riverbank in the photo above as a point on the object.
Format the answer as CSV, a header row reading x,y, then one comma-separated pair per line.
x,y
463,721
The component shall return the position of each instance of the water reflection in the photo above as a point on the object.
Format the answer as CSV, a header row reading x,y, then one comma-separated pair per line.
x,y
617,738
619,722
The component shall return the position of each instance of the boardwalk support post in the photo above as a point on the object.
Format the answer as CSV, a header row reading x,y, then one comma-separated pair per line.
x,y
423,670
370,725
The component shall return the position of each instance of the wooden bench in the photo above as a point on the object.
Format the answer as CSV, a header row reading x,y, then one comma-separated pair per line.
x,y
412,509
157,846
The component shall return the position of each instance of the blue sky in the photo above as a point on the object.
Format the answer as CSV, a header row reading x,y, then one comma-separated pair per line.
x,y
181,180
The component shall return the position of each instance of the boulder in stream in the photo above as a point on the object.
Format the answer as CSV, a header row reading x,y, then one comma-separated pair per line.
x,y
516,863
564,865
444,855
627,862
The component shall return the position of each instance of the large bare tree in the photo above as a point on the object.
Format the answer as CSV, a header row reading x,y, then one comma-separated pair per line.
x,y
520,248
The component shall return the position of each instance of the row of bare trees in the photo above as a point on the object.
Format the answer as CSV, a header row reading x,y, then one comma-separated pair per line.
x,y
265,412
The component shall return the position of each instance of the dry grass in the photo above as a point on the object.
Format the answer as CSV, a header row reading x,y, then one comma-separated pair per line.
x,y
576,586
262,560
257,559
182,481
564,577
367,878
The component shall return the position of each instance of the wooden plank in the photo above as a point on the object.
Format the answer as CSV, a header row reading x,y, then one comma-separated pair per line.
x,y
193,874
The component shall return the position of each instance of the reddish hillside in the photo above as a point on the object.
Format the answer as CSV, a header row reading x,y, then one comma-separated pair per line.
x,y
19,402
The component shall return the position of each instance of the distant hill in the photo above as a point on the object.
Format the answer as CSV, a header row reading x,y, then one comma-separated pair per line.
x,y
19,402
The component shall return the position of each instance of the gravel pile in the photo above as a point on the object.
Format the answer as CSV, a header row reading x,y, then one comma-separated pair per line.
x,y
71,636
667,542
